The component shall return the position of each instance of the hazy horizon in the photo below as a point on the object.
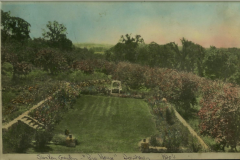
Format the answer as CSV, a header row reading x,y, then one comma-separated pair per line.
x,y
204,23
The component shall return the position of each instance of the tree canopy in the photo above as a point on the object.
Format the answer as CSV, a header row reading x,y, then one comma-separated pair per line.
x,y
125,49
56,34
14,27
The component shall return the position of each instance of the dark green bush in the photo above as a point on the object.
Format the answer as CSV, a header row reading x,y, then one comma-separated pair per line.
x,y
7,69
172,143
194,145
170,116
42,137
153,141
17,139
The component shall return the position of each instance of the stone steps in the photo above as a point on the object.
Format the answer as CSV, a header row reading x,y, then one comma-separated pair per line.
x,y
25,114
31,122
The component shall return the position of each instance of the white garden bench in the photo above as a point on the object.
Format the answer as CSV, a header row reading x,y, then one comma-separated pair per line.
x,y
119,87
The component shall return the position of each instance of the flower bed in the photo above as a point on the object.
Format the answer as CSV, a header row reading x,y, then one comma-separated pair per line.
x,y
50,112
25,97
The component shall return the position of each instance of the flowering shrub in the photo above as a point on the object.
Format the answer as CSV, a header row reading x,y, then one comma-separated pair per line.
x,y
19,67
130,74
25,96
48,59
85,65
22,68
50,111
186,95
95,90
220,113
89,66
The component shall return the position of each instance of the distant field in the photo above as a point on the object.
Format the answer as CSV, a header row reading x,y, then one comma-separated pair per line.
x,y
92,45
106,124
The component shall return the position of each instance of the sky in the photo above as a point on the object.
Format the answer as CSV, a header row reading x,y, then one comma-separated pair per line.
x,y
204,23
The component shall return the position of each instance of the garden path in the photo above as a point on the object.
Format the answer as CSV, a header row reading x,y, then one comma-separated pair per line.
x,y
190,129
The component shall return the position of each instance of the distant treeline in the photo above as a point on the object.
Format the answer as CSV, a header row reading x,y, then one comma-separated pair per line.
x,y
214,63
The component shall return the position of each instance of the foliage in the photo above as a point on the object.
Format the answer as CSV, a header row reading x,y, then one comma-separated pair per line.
x,y
169,116
172,142
14,28
42,137
153,141
194,144
7,69
191,56
79,76
157,55
187,95
90,65
19,68
125,50
51,61
85,65
221,64
130,74
220,113
17,139
56,35
22,68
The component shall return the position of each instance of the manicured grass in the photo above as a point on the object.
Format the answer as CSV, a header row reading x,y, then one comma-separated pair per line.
x,y
106,124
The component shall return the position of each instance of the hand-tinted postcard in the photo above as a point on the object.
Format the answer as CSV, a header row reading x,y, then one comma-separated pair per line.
x,y
120,80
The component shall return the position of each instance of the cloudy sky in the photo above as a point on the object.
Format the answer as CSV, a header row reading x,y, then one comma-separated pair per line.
x,y
205,23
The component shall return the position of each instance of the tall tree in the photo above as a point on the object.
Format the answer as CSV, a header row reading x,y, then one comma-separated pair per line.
x,y
154,54
220,64
57,35
14,28
176,60
191,56
126,48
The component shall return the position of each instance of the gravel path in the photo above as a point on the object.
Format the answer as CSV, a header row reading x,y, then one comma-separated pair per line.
x,y
190,129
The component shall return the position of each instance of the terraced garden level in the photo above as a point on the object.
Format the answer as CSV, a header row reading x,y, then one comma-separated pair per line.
x,y
106,124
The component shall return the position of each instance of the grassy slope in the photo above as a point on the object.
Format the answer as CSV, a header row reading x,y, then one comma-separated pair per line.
x,y
106,124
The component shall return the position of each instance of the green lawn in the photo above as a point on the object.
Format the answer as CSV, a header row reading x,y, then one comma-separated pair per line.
x,y
106,124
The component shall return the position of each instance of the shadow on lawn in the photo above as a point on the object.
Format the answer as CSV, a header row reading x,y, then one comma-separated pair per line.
x,y
44,149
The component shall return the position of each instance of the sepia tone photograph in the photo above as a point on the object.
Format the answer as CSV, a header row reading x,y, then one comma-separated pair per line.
x,y
120,80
